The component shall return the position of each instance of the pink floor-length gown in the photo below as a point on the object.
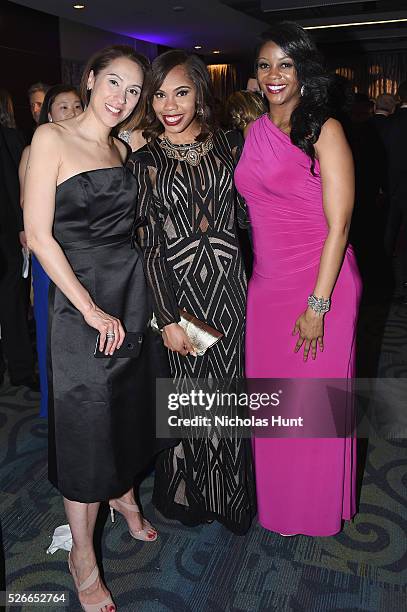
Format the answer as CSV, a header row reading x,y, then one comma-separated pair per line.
x,y
304,485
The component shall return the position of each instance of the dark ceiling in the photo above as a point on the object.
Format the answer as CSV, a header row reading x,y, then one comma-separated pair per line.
x,y
390,36
234,26
370,9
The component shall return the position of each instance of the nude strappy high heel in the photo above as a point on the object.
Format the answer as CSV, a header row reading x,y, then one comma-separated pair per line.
x,y
141,534
91,579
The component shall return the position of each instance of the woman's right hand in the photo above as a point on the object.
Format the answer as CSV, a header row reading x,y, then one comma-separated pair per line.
x,y
175,339
106,325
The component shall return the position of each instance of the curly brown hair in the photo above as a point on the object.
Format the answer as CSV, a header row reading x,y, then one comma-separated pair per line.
x,y
49,100
243,107
199,75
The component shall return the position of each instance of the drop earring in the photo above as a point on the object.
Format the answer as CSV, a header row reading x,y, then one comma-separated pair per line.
x,y
302,90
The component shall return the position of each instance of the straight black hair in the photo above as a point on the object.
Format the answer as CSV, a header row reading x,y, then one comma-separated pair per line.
x,y
49,100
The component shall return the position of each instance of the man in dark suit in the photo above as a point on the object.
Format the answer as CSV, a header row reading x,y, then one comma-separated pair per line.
x,y
396,147
369,157
13,312
384,107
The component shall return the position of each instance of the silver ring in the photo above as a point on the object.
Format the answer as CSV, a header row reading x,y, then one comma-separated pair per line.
x,y
110,335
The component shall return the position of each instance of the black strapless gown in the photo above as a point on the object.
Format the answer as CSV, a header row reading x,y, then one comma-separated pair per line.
x,y
102,414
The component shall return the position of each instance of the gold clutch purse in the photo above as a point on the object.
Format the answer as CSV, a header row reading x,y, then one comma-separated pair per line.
x,y
201,335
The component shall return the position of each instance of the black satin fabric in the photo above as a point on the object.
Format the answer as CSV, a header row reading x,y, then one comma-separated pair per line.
x,y
102,411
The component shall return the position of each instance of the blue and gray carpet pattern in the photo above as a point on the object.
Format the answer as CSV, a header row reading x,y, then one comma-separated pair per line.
x,y
208,569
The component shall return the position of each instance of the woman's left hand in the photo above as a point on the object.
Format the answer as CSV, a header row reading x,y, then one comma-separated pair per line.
x,y
310,327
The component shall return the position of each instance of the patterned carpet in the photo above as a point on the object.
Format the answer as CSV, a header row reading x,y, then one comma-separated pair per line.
x,y
207,569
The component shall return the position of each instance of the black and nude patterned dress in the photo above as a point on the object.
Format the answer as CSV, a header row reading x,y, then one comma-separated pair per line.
x,y
187,231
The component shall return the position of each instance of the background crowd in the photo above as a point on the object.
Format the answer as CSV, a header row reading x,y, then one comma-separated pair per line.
x,y
376,130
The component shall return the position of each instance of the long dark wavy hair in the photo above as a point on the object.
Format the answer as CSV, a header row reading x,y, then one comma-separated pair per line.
x,y
199,75
6,110
49,100
312,111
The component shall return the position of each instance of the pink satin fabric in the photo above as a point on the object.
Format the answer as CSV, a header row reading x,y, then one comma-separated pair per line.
x,y
303,485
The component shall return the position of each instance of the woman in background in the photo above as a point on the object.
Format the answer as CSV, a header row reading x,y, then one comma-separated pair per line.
x,y
244,107
6,110
241,110
187,218
61,102
296,174
13,294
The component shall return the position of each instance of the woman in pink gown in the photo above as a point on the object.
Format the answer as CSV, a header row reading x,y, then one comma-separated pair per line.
x,y
296,173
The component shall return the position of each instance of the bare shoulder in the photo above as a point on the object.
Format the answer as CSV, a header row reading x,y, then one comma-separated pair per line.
x,y
63,131
122,148
331,139
46,150
45,135
331,129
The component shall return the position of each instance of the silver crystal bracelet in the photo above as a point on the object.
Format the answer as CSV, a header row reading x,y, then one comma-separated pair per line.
x,y
319,305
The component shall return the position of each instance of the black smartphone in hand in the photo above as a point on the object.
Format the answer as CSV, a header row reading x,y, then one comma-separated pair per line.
x,y
130,348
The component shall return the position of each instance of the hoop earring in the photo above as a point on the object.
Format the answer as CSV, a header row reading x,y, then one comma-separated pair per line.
x,y
302,90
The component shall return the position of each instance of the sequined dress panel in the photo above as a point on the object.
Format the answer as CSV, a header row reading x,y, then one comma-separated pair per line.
x,y
188,235
188,209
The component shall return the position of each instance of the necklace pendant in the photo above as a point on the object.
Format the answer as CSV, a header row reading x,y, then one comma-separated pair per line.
x,y
190,153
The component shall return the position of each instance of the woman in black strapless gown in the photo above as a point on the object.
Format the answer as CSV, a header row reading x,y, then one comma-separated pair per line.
x,y
103,409
79,212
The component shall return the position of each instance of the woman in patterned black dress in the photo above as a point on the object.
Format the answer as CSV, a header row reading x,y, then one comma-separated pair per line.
x,y
187,232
